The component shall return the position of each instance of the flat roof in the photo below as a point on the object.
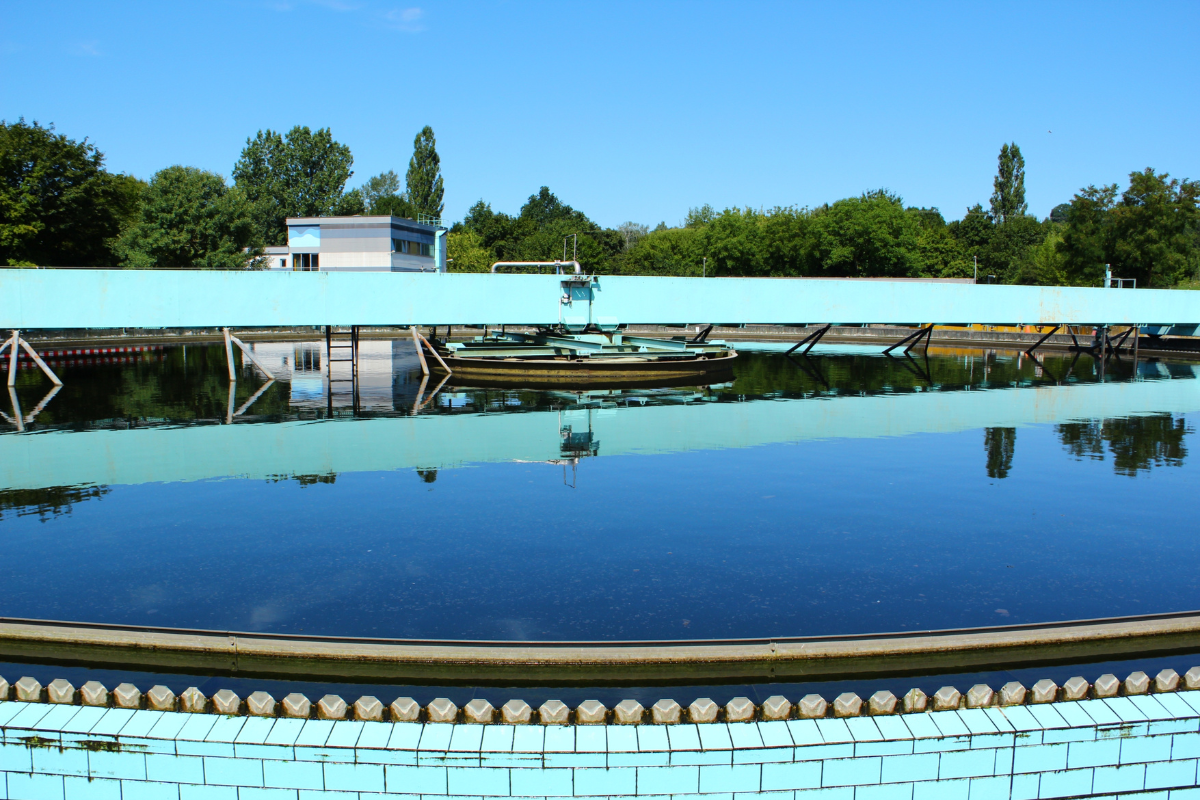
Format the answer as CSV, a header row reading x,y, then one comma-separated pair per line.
x,y
381,221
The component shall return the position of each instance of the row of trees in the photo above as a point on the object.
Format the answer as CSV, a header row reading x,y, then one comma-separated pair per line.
x,y
1150,232
59,206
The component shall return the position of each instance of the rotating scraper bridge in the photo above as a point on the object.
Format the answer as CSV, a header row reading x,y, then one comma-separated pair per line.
x,y
42,299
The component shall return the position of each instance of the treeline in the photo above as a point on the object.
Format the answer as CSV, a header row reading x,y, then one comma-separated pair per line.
x,y
1150,232
60,207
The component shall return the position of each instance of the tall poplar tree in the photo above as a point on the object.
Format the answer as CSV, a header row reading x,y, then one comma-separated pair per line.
x,y
1008,197
424,178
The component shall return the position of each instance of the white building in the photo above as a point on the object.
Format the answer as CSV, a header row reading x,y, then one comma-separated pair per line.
x,y
361,244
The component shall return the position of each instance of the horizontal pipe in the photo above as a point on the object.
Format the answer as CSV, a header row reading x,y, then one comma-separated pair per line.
x,y
557,264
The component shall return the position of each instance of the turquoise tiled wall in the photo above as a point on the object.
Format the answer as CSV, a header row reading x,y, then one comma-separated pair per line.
x,y
1141,746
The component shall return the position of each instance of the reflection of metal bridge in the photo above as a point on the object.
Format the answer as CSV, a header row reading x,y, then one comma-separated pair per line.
x,y
438,441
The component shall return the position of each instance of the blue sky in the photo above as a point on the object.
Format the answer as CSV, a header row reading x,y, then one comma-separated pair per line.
x,y
631,111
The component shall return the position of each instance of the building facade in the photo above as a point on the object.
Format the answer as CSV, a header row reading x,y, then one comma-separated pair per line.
x,y
360,244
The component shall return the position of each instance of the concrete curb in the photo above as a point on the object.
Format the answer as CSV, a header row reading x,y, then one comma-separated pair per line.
x,y
844,656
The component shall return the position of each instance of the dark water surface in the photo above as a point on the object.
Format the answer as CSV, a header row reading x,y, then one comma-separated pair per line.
x,y
845,493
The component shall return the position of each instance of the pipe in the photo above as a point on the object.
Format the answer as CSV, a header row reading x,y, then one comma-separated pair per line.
x,y
557,264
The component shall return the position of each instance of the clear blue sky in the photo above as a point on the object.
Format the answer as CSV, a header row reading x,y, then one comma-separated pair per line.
x,y
631,111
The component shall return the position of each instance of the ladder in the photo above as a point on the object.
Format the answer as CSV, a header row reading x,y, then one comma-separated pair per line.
x,y
345,344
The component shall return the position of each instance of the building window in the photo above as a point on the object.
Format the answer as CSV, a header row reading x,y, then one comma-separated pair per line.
x,y
305,262
424,249
283,263
399,245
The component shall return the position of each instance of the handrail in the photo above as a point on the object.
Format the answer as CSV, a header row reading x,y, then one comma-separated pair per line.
x,y
558,265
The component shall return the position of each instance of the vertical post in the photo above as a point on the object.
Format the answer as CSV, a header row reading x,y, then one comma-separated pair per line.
x,y
229,355
1137,332
420,355
12,360
329,370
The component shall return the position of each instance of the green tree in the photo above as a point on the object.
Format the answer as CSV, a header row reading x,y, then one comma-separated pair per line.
x,y
300,174
670,251
396,205
973,233
867,236
496,229
350,204
1086,241
1008,196
191,220
700,216
385,184
465,252
538,233
1045,264
632,231
424,179
1009,251
734,241
1155,229
59,207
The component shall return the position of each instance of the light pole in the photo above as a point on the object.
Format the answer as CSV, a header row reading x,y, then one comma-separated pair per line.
x,y
704,268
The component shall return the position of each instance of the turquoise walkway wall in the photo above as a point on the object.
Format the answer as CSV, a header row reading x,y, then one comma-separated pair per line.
x,y
1132,747
32,299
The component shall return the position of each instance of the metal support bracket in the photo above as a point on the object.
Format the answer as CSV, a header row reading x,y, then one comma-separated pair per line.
x,y
814,337
926,333
434,352
1040,341
16,343
1115,348
249,354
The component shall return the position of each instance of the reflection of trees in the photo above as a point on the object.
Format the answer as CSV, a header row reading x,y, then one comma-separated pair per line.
x,y
759,374
151,387
1136,443
999,444
48,502
314,480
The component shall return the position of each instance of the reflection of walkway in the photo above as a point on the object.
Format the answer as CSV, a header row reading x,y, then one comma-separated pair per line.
x,y
447,440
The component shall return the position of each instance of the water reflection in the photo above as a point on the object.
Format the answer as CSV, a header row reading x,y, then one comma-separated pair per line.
x,y
189,384
842,493
1135,443
999,444
47,501
179,402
